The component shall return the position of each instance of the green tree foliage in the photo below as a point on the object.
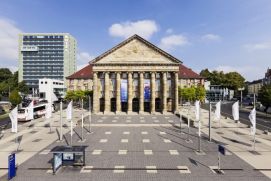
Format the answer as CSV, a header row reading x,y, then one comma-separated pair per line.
x,y
265,95
23,88
232,80
15,98
200,93
5,74
192,94
78,95
187,93
9,82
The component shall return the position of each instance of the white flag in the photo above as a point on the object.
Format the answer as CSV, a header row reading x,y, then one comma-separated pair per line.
x,y
197,112
252,118
71,127
69,111
13,115
30,111
48,113
217,110
235,111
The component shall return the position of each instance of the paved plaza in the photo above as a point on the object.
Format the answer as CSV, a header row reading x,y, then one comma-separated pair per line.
x,y
140,147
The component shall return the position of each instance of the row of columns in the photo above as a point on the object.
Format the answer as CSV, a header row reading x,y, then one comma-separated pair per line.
x,y
96,103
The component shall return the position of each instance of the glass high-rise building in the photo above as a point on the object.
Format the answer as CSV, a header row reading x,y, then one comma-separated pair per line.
x,y
46,55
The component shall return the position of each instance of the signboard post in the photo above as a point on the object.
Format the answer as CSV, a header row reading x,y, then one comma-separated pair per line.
x,y
11,166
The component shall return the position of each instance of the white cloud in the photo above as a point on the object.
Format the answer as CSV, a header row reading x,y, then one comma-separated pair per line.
x,y
144,28
172,41
211,37
8,43
83,58
248,72
258,46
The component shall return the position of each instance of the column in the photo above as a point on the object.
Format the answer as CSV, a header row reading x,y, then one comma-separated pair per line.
x,y
153,92
141,92
118,103
130,92
96,103
176,93
106,93
164,92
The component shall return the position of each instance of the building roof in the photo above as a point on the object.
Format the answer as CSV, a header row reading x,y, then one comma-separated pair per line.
x,y
256,82
174,60
188,73
84,73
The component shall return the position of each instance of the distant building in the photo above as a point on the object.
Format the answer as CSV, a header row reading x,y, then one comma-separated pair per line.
x,y
267,78
51,90
80,80
46,55
188,78
218,92
255,86
134,76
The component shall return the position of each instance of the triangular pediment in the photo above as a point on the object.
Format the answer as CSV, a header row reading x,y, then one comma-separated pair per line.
x,y
135,50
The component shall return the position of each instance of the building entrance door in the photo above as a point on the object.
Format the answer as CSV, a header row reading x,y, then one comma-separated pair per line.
x,y
147,106
135,105
124,106
101,104
113,104
158,107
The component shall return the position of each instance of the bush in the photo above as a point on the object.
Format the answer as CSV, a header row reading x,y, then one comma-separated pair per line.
x,y
15,98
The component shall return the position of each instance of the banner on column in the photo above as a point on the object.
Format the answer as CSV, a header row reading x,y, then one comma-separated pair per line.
x,y
123,91
147,90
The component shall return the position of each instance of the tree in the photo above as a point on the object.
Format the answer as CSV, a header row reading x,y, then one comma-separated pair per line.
x,y
15,98
70,95
200,93
188,93
5,74
231,80
234,80
265,95
23,88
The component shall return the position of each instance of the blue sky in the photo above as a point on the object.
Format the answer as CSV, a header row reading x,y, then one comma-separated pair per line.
x,y
229,35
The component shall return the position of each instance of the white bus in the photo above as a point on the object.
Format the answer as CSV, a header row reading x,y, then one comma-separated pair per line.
x,y
39,110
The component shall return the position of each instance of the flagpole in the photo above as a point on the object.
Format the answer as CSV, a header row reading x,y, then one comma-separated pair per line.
x,y
82,126
199,145
61,134
254,140
71,132
210,107
180,122
89,117
188,124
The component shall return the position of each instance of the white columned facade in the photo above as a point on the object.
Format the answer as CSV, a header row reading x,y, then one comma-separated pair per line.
x,y
153,92
130,92
96,101
165,92
118,103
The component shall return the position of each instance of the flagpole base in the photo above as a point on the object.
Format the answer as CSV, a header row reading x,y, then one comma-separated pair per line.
x,y
82,141
188,141
200,152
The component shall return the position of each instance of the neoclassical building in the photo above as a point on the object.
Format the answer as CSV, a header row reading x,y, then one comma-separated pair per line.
x,y
134,76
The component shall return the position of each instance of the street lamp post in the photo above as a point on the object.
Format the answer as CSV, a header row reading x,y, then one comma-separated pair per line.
x,y
241,101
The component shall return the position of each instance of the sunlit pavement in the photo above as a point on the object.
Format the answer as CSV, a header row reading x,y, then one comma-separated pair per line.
x,y
141,147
